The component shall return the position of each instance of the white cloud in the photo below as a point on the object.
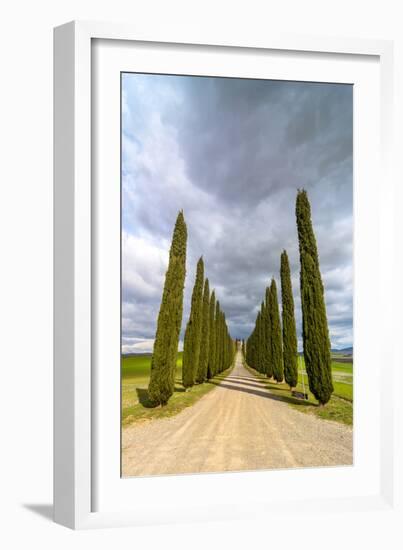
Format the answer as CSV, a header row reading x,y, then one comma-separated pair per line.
x,y
143,266
144,346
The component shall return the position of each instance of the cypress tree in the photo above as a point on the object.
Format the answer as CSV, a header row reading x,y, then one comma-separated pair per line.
x,y
232,349
267,362
315,332
204,344
257,341
248,349
276,345
226,345
211,355
217,337
231,346
254,350
163,362
251,346
222,338
192,340
220,341
290,344
223,342
262,341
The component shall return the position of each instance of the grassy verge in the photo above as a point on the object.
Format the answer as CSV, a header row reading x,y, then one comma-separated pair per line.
x,y
339,408
342,367
135,403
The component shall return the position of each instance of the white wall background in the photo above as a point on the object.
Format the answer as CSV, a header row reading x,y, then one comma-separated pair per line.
x,y
26,258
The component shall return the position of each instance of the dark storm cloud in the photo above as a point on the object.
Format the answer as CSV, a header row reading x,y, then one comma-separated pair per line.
x,y
232,154
245,140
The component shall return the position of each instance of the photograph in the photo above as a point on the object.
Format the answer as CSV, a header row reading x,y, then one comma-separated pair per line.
x,y
236,274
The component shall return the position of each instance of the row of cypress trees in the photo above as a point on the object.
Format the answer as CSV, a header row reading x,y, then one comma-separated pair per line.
x,y
208,347
273,351
264,350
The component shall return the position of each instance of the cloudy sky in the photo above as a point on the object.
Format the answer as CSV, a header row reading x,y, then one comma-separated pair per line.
x,y
232,153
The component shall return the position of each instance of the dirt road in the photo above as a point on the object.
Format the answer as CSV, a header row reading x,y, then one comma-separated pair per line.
x,y
237,426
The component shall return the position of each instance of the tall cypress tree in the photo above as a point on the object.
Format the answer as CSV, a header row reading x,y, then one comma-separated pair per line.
x,y
248,350
205,338
211,355
275,334
222,342
257,341
252,344
290,344
163,362
267,362
217,329
262,340
315,332
220,335
192,340
224,339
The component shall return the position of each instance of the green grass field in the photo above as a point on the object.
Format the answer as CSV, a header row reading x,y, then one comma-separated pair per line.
x,y
135,377
136,407
340,406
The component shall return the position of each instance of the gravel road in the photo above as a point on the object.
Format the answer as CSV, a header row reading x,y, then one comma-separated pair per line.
x,y
237,426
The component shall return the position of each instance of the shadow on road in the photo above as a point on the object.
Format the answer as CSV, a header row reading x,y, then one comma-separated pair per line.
x,y
247,382
255,382
241,386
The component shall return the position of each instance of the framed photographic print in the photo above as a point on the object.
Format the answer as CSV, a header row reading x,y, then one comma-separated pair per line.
x,y
221,231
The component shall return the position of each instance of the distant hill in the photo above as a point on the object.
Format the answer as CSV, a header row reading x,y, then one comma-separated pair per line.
x,y
345,351
141,354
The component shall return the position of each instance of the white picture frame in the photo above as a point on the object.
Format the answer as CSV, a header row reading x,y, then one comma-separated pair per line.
x,y
77,471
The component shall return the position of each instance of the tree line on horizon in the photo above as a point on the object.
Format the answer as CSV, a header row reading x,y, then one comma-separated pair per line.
x,y
208,348
272,347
